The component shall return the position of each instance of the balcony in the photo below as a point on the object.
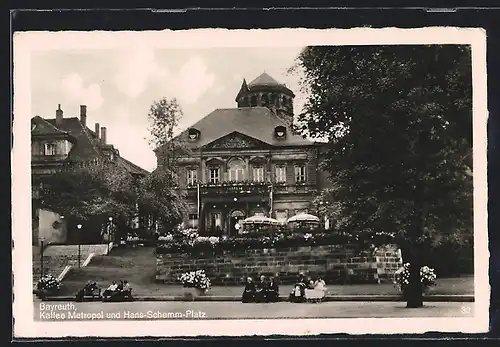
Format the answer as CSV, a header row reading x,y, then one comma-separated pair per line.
x,y
230,188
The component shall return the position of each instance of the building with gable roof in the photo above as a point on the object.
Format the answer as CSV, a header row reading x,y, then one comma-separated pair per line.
x,y
61,142
247,161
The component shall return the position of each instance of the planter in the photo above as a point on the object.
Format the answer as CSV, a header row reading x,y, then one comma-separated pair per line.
x,y
43,293
191,293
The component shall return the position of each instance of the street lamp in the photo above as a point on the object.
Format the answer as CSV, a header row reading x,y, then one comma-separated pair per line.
x,y
109,232
41,256
79,226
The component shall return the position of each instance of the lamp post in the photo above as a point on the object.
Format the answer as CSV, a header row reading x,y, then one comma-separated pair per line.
x,y
109,232
79,226
41,256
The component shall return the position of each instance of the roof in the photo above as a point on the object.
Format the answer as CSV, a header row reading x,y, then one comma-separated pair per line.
x,y
131,167
256,122
40,126
85,145
264,79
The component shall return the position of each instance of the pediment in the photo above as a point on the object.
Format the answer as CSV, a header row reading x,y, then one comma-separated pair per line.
x,y
236,140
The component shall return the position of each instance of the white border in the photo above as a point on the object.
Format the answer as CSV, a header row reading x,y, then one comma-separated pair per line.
x,y
26,42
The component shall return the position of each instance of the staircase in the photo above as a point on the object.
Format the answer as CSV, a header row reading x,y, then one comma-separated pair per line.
x,y
57,257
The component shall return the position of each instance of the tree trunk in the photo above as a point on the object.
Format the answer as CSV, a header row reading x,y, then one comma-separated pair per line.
x,y
413,292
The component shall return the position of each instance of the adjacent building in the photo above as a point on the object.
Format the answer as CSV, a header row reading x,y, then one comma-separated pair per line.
x,y
55,144
248,160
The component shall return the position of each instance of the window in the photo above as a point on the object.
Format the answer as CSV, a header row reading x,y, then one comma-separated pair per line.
x,y
192,176
236,170
50,149
193,220
300,173
258,174
280,173
300,212
214,175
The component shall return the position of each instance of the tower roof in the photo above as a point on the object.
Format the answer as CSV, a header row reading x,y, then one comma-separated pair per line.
x,y
264,80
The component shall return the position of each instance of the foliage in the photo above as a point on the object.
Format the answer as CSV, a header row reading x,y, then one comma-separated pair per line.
x,y
402,276
195,279
91,192
159,195
192,243
48,282
398,126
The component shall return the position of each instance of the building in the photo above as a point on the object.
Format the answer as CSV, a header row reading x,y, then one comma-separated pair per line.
x,y
55,144
248,160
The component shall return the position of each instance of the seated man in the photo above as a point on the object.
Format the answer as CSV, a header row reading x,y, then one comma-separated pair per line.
x,y
261,290
272,294
110,290
249,291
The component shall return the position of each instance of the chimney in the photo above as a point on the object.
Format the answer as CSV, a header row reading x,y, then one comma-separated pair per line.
x,y
59,115
83,115
103,135
97,128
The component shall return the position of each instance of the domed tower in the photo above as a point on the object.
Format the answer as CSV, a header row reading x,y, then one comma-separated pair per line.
x,y
265,91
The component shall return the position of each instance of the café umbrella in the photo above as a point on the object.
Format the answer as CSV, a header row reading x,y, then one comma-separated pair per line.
x,y
303,217
260,220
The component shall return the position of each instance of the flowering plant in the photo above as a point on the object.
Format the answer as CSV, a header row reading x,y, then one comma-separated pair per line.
x,y
48,282
195,279
427,276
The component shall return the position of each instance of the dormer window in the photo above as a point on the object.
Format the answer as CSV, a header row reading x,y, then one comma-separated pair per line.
x,y
194,134
280,132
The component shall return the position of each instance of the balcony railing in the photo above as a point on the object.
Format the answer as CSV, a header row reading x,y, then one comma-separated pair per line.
x,y
225,188
231,188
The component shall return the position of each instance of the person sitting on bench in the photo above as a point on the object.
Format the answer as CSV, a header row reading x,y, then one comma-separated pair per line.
x,y
261,289
249,291
110,290
272,292
127,289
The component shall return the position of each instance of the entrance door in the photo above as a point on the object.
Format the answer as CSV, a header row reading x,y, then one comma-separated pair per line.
x,y
236,217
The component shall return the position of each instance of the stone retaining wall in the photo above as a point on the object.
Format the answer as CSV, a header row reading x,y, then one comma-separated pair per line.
x,y
336,264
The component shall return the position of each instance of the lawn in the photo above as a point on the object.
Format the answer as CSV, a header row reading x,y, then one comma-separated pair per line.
x,y
137,265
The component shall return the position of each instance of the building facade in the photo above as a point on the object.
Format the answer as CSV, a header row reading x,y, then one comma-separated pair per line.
x,y
58,143
247,161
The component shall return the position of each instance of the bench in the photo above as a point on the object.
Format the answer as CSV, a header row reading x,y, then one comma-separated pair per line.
x,y
119,296
88,293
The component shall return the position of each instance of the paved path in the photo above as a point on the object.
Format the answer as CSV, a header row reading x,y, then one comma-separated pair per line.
x,y
56,311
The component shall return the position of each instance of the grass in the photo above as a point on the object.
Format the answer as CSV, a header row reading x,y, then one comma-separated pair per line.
x,y
137,265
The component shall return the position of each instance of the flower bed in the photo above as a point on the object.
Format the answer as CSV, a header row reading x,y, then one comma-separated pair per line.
x,y
49,283
402,277
189,241
195,279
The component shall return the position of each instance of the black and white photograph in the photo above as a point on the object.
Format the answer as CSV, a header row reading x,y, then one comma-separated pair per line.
x,y
241,182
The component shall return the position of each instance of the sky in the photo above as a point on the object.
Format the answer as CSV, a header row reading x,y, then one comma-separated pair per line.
x,y
119,85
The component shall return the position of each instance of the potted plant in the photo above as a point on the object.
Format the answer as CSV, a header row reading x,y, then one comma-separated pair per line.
x,y
195,283
427,278
47,285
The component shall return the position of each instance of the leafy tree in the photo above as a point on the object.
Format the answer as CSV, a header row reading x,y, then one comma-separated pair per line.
x,y
160,196
89,194
398,125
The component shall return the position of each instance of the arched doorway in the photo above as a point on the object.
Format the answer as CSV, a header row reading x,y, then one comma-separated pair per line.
x,y
235,217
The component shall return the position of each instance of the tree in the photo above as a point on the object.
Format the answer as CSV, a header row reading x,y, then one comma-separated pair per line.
x,y
90,194
398,125
160,196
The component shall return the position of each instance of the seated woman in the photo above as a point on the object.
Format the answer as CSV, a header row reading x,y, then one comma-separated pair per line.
x,y
298,291
261,289
110,290
249,291
320,284
272,294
